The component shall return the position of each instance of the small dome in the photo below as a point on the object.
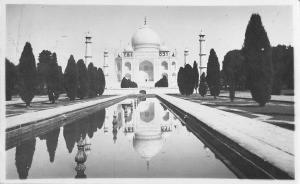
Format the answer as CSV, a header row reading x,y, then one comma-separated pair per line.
x,y
145,38
164,48
128,48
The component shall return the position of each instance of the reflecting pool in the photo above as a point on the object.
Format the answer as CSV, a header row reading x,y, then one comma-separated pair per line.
x,y
133,138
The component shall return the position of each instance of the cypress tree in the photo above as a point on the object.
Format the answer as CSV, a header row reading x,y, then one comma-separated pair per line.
x,y
196,75
28,73
180,76
258,60
188,79
43,70
52,79
233,68
288,76
203,85
213,73
96,80
82,88
102,82
283,68
70,78
91,80
10,78
61,80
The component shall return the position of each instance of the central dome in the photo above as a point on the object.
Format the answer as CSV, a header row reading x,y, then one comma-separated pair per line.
x,y
145,39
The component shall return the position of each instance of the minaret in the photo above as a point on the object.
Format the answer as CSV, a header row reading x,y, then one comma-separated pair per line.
x,y
186,53
202,65
88,51
105,64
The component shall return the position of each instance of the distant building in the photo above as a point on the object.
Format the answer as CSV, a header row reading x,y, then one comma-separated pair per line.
x,y
144,61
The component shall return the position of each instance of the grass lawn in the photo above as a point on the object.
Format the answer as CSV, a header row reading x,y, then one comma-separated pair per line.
x,y
277,113
20,108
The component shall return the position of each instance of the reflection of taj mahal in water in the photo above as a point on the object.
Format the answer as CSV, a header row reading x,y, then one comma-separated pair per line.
x,y
144,124
144,61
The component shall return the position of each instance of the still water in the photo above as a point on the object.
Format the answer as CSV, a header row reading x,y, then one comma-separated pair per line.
x,y
130,139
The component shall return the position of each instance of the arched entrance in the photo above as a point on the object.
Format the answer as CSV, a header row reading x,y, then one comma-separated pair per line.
x,y
145,72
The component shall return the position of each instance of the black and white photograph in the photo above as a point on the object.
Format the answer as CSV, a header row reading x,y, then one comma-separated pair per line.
x,y
149,92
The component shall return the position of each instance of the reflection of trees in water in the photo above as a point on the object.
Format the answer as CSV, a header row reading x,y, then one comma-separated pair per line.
x,y
79,128
69,135
51,142
24,156
100,118
115,128
51,138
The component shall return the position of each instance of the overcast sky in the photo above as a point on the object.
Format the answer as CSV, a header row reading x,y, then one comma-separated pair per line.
x,y
61,28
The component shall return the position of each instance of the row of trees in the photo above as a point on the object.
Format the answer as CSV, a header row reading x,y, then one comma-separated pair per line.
x,y
234,69
258,67
188,77
83,82
27,80
262,69
49,75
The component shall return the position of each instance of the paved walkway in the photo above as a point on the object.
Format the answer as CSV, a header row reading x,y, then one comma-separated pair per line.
x,y
39,115
246,94
279,113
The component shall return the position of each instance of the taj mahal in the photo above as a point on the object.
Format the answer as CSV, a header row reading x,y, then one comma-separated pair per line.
x,y
145,61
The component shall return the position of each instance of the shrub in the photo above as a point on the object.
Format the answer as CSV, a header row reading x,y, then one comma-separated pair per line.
x,y
163,82
127,83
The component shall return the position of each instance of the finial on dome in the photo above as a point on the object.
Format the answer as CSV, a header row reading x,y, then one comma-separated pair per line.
x,y
145,20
